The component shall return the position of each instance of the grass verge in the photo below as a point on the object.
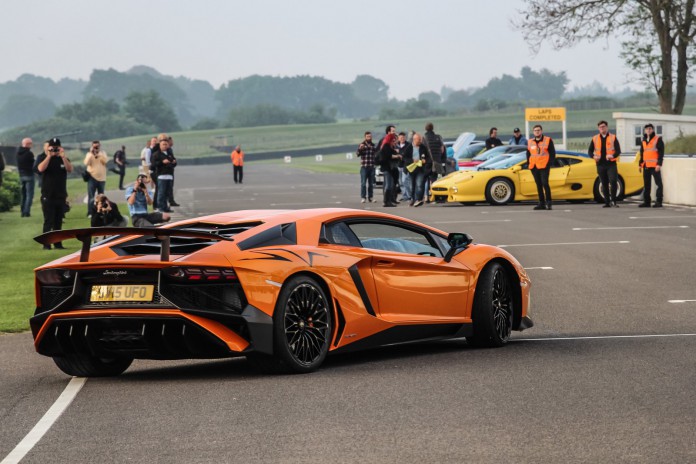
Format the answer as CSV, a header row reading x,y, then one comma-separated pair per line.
x,y
20,254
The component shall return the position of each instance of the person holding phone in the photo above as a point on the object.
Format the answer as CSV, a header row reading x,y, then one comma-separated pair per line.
x,y
95,163
139,197
54,167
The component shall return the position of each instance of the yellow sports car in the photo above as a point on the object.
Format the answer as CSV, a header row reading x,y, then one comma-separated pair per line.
x,y
504,179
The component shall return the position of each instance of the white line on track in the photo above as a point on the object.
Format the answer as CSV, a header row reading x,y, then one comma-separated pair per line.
x,y
602,337
466,222
636,227
564,243
543,268
683,216
525,211
45,423
681,301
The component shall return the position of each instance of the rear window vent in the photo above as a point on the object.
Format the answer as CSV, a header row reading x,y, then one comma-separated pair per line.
x,y
226,230
182,245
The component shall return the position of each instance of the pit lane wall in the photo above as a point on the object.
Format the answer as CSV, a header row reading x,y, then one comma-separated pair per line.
x,y
679,181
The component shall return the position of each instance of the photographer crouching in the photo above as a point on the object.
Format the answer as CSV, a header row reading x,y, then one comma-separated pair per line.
x,y
138,197
107,213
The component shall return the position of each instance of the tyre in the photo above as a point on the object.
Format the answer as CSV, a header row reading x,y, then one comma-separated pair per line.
x,y
500,191
493,308
82,365
620,190
302,327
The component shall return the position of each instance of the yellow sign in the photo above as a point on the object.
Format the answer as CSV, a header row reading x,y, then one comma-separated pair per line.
x,y
544,114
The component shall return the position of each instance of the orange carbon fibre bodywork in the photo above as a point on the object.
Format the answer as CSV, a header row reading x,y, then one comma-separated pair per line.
x,y
233,341
398,289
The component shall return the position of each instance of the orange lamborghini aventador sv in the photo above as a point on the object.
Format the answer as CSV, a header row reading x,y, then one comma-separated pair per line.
x,y
283,288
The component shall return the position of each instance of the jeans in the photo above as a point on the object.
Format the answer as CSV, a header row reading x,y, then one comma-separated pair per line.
x,y
164,191
367,178
27,191
93,187
541,177
406,190
418,184
608,175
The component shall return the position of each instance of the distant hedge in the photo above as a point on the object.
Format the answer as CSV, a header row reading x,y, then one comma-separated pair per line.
x,y
9,191
682,145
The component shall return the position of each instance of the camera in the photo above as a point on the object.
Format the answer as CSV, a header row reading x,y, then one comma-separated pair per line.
x,y
141,185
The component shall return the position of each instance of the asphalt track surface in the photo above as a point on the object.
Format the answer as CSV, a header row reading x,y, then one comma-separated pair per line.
x,y
607,374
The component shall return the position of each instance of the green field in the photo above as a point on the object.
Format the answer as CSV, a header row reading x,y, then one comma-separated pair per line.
x,y
20,254
277,138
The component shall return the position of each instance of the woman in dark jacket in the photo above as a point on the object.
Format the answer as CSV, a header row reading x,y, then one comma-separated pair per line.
x,y
390,156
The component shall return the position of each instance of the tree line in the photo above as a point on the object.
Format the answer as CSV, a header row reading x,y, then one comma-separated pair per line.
x,y
118,104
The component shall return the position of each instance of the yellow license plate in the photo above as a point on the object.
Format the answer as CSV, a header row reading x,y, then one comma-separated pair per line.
x,y
122,293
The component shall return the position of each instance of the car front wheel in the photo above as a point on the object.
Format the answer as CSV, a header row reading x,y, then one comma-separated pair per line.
x,y
500,191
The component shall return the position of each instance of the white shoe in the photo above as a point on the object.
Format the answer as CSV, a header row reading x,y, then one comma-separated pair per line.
x,y
362,200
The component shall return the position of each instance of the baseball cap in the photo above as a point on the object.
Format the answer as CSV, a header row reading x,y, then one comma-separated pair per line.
x,y
516,129
54,142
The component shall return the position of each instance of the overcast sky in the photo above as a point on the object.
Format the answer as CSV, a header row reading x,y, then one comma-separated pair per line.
x,y
412,45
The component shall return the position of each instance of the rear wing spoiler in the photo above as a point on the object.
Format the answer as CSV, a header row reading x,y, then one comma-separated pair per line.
x,y
85,236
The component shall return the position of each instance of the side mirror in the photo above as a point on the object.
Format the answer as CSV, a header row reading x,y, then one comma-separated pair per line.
x,y
457,242
516,168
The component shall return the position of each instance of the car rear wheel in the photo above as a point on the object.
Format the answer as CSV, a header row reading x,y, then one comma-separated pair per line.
x,y
500,191
493,308
599,195
302,327
82,365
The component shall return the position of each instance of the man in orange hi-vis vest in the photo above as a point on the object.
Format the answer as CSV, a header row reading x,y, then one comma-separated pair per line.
x,y
605,149
238,163
541,155
652,152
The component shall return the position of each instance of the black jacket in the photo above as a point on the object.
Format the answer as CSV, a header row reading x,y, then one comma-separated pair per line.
x,y
435,145
407,155
387,160
112,217
422,153
25,161
164,169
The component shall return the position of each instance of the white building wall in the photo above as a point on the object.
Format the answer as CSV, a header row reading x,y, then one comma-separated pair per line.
x,y
629,126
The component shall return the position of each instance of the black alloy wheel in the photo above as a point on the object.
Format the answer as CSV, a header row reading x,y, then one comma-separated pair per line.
x,y
306,324
493,309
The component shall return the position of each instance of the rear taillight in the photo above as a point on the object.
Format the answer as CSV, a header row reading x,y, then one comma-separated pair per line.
x,y
56,276
207,274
